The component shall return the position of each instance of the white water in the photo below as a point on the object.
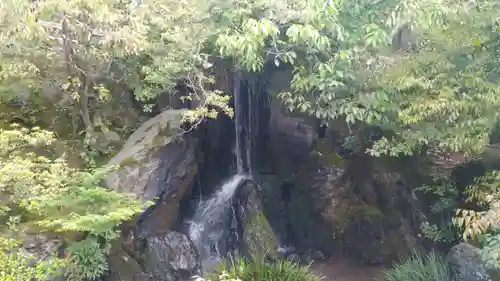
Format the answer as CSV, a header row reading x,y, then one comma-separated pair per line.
x,y
207,228
210,222
238,128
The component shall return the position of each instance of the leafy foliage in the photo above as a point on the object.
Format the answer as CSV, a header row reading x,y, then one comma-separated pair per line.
x,y
62,199
436,89
430,267
17,266
430,97
90,259
483,223
43,195
82,54
446,201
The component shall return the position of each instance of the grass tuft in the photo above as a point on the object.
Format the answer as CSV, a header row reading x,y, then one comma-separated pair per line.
x,y
282,270
430,267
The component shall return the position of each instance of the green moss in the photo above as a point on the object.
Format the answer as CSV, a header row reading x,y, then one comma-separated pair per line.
x,y
129,161
327,155
368,213
163,133
259,237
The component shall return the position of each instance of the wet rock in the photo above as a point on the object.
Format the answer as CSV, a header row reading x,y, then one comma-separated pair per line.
x,y
294,258
157,163
123,267
466,264
171,257
258,238
284,252
318,255
312,256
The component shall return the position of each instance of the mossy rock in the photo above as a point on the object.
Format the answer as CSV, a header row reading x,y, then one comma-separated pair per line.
x,y
364,212
157,164
259,240
259,237
326,154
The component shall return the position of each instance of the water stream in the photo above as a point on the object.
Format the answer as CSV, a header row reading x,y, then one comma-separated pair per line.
x,y
210,224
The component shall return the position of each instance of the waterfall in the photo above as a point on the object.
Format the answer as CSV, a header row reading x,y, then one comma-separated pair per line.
x,y
209,229
244,124
250,131
238,127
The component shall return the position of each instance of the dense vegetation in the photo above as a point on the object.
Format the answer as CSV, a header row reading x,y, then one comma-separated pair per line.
x,y
74,71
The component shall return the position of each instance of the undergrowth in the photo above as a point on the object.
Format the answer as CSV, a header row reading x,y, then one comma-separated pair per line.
x,y
284,270
429,267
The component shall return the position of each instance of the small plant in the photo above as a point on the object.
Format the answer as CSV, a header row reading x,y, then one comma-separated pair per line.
x,y
262,271
441,228
89,258
430,267
483,224
490,252
443,233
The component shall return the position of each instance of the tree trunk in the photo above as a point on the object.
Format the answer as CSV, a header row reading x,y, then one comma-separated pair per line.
x,y
84,77
84,103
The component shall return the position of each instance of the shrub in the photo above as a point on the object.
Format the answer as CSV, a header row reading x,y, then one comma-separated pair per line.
x,y
42,194
89,258
16,265
245,270
430,267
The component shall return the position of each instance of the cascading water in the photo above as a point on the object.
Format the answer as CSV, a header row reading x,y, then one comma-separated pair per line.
x,y
211,222
239,128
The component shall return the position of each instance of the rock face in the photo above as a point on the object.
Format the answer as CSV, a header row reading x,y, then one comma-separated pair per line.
x,y
258,238
157,163
311,202
171,257
289,143
466,263
106,140
122,265
382,232
357,206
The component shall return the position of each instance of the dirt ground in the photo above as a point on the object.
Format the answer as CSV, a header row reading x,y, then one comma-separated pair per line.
x,y
343,269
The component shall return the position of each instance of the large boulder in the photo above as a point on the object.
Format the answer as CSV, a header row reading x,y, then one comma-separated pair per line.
x,y
317,204
258,238
123,266
157,163
385,230
466,264
171,257
288,144
356,205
